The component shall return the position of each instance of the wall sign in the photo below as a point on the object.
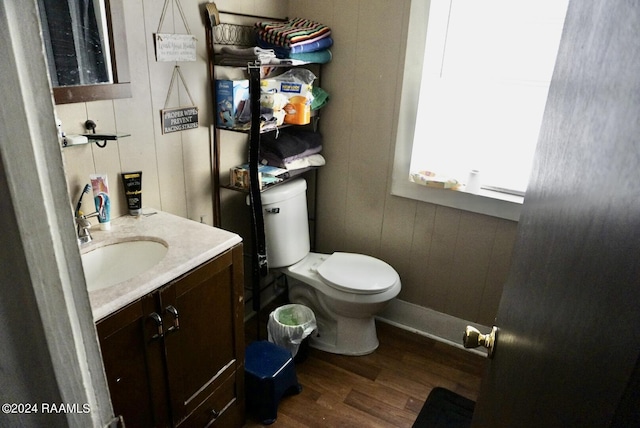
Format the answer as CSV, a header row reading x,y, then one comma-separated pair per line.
x,y
179,119
175,47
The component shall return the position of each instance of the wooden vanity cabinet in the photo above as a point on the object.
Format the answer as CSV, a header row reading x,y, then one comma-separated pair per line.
x,y
134,365
176,357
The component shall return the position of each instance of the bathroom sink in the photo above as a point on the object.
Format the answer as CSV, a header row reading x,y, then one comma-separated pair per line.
x,y
112,264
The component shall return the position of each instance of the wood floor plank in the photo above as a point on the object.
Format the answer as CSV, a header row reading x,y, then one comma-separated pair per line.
x,y
384,389
364,366
414,405
381,392
380,409
439,373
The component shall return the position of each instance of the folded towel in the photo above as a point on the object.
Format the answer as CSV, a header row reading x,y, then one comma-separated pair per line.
x,y
302,47
233,56
320,98
318,57
236,61
269,158
290,32
291,142
250,51
313,160
239,61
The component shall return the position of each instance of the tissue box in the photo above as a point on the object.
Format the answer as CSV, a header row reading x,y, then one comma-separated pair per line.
x,y
298,110
232,104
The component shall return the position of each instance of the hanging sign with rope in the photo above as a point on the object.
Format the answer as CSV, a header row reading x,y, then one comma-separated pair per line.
x,y
179,118
174,47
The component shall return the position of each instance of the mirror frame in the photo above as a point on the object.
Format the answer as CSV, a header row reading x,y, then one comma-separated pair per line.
x,y
121,86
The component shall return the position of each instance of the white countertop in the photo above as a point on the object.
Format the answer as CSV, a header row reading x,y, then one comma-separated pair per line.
x,y
189,245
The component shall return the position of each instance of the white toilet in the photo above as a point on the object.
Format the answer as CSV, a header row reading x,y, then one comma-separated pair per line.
x,y
344,290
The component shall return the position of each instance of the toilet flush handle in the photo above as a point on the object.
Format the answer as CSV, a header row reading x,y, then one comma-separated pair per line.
x,y
272,210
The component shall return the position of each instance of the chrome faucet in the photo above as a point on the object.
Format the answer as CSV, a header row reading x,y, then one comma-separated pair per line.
x,y
83,227
82,223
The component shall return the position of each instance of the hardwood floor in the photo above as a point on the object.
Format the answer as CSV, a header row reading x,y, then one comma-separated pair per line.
x,y
384,389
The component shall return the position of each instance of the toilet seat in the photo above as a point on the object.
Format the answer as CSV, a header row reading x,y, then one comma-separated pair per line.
x,y
357,273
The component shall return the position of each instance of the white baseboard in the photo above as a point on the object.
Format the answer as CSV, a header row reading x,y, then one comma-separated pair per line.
x,y
427,322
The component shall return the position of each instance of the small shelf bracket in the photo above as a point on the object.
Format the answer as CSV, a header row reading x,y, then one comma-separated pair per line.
x,y
100,139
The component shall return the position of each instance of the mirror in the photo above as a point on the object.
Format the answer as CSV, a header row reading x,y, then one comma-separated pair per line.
x,y
86,49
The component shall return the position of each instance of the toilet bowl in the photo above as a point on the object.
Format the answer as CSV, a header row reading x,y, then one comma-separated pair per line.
x,y
344,290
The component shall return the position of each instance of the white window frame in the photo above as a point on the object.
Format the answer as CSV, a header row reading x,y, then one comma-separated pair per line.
x,y
487,202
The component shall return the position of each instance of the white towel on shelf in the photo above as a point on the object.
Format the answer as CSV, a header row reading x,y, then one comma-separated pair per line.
x,y
251,51
233,56
311,160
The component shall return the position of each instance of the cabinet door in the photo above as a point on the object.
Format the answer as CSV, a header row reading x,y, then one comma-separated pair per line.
x,y
204,337
133,364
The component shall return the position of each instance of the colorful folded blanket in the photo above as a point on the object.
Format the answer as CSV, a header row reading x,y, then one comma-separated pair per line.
x,y
291,32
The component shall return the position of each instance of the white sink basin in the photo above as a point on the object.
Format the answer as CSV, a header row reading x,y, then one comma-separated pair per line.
x,y
115,263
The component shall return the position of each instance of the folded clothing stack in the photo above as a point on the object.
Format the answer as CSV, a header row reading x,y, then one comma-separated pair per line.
x,y
292,149
239,57
297,39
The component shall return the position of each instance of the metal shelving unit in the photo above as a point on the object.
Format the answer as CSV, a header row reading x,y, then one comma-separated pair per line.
x,y
242,36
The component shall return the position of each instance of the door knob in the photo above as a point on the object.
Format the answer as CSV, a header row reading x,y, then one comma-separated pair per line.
x,y
472,338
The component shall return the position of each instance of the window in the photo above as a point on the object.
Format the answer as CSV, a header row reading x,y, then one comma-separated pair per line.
x,y
77,46
485,72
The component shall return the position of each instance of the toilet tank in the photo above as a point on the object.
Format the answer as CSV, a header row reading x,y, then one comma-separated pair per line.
x,y
286,224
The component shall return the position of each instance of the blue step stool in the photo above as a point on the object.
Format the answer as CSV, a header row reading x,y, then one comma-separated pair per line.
x,y
270,374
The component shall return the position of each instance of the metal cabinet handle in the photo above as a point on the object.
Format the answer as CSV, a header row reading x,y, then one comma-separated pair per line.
x,y
158,320
176,321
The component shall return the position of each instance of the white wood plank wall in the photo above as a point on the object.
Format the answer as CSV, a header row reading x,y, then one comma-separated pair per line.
x,y
450,261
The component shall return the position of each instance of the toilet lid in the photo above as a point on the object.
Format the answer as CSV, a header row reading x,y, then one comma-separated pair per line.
x,y
357,273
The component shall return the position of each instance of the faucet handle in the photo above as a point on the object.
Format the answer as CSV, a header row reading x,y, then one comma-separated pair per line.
x,y
82,215
84,234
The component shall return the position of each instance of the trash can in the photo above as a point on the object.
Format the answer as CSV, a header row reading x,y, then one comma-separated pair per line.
x,y
289,326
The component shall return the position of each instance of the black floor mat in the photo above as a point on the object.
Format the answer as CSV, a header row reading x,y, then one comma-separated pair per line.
x,y
445,409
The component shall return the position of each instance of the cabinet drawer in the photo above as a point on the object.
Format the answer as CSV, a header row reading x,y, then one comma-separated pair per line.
x,y
221,408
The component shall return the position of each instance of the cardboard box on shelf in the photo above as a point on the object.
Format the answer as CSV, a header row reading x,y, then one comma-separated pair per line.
x,y
232,104
267,175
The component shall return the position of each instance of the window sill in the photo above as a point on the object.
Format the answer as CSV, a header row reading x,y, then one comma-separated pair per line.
x,y
488,202
491,203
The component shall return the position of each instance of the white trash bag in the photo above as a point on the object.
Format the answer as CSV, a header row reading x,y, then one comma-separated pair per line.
x,y
289,325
